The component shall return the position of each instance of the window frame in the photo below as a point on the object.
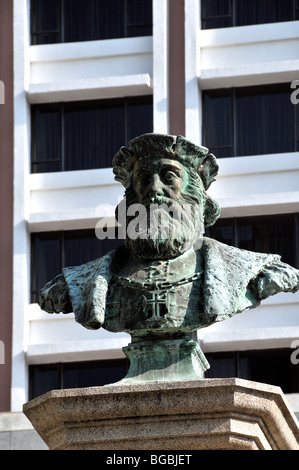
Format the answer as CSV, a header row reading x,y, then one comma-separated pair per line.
x,y
233,222
62,236
62,367
233,94
237,356
233,16
125,103
61,27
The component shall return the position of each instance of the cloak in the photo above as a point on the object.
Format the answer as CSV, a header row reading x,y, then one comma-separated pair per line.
x,y
235,280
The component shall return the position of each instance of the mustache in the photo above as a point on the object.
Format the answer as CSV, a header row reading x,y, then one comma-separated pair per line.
x,y
159,200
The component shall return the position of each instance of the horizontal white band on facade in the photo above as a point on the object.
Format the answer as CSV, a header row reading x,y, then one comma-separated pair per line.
x,y
249,74
78,219
250,34
248,55
72,351
245,186
71,179
258,164
249,339
259,204
238,206
236,166
90,49
91,89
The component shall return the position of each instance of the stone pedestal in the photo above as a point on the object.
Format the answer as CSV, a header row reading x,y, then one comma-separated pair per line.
x,y
188,415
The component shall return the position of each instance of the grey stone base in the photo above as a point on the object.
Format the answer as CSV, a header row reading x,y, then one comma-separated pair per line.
x,y
188,415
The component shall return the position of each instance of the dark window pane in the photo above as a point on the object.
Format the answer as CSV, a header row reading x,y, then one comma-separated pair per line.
x,y
224,22
271,234
45,260
93,373
45,167
216,14
77,20
82,246
46,38
221,14
264,122
222,231
45,18
139,18
140,117
212,8
270,367
46,138
263,11
217,122
93,19
93,134
51,251
43,378
222,365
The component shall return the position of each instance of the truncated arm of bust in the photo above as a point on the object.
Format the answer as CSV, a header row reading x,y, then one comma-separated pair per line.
x,y
54,296
276,277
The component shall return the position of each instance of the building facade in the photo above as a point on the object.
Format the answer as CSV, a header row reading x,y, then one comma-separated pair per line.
x,y
79,83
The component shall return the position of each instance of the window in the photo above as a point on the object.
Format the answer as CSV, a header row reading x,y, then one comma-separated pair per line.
x,y
277,234
52,251
270,366
46,377
227,13
56,21
250,121
85,135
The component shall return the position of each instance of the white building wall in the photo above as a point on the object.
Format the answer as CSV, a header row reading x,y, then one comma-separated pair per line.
x,y
256,185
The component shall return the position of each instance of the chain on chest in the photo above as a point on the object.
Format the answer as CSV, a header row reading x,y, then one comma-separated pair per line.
x,y
156,299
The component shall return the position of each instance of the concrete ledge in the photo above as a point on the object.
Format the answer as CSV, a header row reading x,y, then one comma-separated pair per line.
x,y
17,433
211,414
90,89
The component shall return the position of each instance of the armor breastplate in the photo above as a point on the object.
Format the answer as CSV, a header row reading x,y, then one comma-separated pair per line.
x,y
163,303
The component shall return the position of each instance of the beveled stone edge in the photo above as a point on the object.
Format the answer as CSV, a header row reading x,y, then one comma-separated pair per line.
x,y
275,411
232,426
118,388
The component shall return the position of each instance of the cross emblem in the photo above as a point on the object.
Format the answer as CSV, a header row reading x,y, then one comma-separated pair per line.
x,y
155,301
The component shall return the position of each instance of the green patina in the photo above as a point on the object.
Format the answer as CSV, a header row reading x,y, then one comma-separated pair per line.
x,y
161,289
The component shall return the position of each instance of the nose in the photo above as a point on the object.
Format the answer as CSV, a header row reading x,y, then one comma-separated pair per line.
x,y
156,186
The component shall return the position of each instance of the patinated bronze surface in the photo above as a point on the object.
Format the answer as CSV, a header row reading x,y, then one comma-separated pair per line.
x,y
168,280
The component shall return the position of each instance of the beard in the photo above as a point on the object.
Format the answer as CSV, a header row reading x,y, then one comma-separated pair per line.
x,y
164,229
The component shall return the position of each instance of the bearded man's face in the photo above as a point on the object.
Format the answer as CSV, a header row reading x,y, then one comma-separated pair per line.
x,y
170,222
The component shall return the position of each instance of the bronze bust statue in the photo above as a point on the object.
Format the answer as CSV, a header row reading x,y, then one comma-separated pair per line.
x,y
168,280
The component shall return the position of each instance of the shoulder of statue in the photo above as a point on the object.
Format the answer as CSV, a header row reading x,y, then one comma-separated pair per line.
x,y
54,296
215,249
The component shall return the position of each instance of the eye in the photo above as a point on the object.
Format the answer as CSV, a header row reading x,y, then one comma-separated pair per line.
x,y
169,176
